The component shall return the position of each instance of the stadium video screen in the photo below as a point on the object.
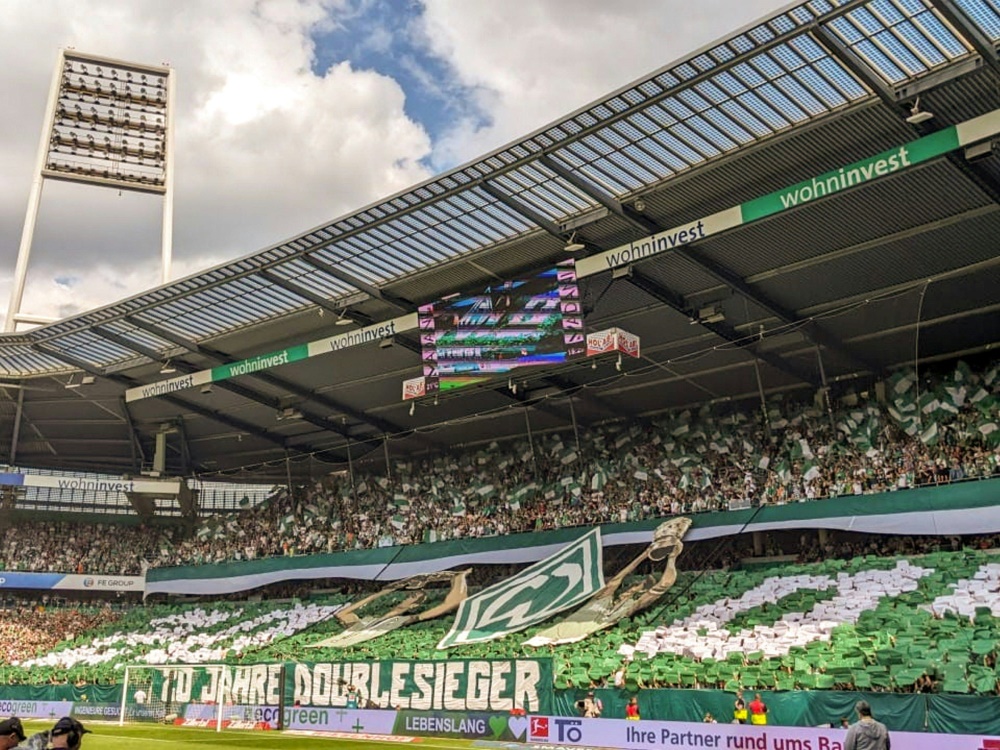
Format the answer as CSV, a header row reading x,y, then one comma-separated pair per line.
x,y
534,322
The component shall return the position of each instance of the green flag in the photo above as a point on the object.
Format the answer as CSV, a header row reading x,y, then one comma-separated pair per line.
x,y
564,580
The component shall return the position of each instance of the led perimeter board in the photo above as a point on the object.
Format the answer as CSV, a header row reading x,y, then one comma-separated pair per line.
x,y
534,322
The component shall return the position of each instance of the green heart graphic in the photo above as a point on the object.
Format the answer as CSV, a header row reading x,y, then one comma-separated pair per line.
x,y
498,723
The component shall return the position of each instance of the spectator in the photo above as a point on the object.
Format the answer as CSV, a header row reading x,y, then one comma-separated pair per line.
x,y
866,734
11,733
632,709
739,709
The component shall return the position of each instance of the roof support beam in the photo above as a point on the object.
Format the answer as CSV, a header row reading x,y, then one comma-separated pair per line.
x,y
719,273
607,200
301,291
138,455
961,21
521,208
382,425
722,330
217,416
248,393
810,330
372,291
858,67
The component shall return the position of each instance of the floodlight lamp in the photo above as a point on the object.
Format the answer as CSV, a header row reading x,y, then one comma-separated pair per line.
x,y
207,388
70,384
342,319
640,205
572,246
618,363
413,408
918,116
88,380
386,342
168,368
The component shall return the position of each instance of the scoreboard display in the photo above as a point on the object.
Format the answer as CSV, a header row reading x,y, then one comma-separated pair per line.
x,y
534,322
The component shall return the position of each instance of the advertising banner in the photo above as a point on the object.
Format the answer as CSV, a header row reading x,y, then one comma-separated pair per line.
x,y
69,582
612,340
85,711
358,722
859,173
655,735
92,483
414,388
27,709
454,685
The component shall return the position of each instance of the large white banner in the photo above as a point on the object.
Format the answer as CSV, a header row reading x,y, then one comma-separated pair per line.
x,y
69,581
93,483
566,731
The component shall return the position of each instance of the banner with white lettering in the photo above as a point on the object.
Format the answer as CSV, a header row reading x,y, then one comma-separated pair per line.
x,y
69,582
454,685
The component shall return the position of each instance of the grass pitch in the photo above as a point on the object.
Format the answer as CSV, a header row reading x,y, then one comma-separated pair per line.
x,y
159,737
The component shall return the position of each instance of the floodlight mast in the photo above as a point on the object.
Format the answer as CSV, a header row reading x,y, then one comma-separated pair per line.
x,y
108,123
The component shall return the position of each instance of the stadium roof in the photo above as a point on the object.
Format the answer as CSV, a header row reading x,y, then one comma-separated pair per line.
x,y
905,268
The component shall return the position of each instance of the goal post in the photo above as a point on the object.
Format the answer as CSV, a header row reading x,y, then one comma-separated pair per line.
x,y
218,696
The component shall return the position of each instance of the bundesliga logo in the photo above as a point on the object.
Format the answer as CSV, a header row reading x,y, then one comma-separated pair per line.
x,y
539,727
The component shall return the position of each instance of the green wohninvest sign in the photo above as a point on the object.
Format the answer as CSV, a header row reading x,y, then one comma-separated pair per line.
x,y
866,170
249,366
452,685
860,173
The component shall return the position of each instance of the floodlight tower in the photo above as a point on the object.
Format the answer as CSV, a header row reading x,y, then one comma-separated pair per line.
x,y
108,123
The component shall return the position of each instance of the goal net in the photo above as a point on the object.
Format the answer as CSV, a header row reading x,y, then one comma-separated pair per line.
x,y
206,695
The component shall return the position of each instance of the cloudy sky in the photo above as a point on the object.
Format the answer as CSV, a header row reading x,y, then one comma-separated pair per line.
x,y
293,112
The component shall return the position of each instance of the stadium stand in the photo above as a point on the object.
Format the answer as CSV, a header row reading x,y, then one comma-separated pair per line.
x,y
945,430
684,463
821,299
916,623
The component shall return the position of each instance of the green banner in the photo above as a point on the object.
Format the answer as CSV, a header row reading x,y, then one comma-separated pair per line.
x,y
569,577
452,685
262,362
858,173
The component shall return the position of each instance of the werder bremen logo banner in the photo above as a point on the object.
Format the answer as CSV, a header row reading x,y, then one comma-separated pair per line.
x,y
558,583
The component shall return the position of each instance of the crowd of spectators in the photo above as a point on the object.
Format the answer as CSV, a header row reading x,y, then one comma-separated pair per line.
x,y
67,547
621,472
894,437
33,630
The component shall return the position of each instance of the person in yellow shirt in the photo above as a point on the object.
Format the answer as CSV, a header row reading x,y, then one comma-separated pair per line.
x,y
740,709
758,711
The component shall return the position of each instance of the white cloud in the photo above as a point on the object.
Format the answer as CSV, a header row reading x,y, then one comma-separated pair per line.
x,y
533,62
265,148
